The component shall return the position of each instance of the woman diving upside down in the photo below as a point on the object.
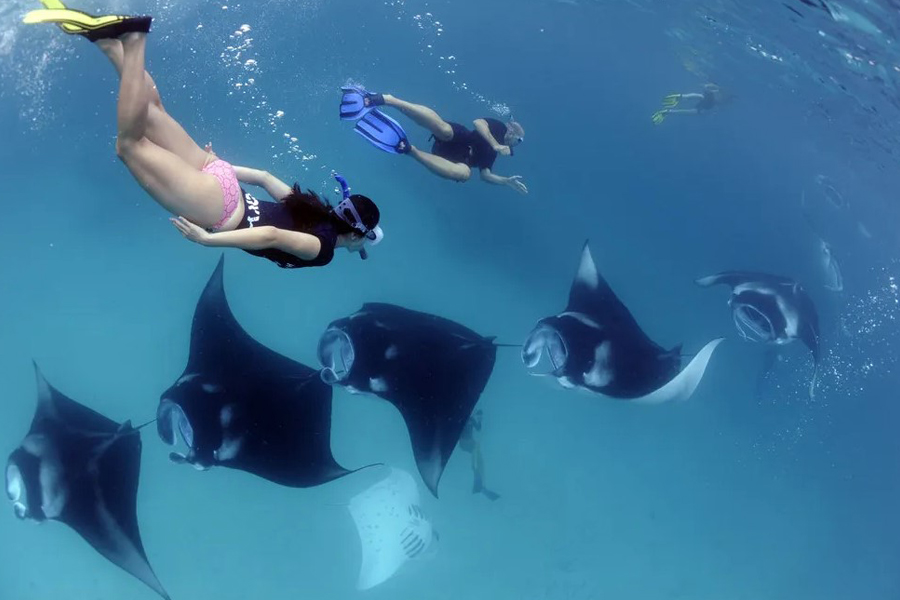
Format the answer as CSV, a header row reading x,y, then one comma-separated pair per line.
x,y
200,189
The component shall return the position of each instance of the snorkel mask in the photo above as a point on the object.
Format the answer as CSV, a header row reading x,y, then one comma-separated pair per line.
x,y
347,213
518,135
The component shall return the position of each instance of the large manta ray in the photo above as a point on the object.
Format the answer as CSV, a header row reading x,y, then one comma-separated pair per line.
x,y
241,405
596,345
82,469
432,369
772,310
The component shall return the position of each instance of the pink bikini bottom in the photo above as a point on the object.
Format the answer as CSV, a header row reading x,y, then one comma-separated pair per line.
x,y
231,189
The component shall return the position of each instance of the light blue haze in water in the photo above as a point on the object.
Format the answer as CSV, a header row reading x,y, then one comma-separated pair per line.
x,y
748,491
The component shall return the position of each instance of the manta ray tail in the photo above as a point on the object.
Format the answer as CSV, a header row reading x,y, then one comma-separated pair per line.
x,y
139,427
357,470
491,339
812,383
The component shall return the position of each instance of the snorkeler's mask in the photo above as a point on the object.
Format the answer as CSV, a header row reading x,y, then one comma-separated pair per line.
x,y
346,212
519,138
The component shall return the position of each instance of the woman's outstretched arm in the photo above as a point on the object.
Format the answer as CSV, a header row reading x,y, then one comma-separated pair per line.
x,y
274,186
301,245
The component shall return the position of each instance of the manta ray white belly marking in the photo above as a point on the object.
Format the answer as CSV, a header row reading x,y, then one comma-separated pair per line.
x,y
187,378
600,373
581,318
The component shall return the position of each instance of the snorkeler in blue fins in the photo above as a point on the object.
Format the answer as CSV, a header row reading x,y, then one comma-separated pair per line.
x,y
456,149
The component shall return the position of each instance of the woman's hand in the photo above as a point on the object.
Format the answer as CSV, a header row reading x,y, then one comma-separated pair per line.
x,y
515,183
193,232
502,150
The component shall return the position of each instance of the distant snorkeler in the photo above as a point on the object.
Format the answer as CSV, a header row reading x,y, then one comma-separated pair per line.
x,y
469,442
456,149
711,98
298,230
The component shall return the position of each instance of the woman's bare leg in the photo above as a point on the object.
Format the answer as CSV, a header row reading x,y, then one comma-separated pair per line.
x,y
180,187
441,166
423,116
162,129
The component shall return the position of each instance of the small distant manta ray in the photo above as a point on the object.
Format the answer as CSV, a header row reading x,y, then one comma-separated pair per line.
x,y
596,345
80,468
772,310
240,405
392,528
432,369
834,281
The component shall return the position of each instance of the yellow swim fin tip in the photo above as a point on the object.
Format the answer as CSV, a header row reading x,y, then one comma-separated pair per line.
x,y
72,21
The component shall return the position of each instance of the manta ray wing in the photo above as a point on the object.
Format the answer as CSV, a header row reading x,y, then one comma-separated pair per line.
x,y
89,470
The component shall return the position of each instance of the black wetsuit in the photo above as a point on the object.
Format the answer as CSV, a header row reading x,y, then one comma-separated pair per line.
x,y
470,147
259,213
706,103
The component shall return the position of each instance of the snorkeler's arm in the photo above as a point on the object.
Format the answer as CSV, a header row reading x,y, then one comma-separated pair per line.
x,y
301,245
513,181
274,186
481,126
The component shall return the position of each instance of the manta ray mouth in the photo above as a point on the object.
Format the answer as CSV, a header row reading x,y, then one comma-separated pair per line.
x,y
171,424
752,324
545,351
336,355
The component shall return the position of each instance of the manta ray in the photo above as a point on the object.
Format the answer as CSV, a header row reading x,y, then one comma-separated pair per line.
x,y
596,345
80,468
392,528
772,310
240,405
432,369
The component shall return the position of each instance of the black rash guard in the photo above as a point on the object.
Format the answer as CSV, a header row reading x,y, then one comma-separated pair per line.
x,y
275,214
469,147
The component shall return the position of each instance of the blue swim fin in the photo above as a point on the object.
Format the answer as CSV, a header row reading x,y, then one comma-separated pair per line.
x,y
354,102
383,132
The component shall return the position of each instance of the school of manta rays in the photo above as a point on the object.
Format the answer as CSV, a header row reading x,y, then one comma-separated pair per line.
x,y
240,405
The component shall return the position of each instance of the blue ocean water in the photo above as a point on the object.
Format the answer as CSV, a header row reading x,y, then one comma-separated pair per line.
x,y
748,491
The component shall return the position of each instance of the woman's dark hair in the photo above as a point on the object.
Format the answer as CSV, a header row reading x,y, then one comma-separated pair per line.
x,y
308,211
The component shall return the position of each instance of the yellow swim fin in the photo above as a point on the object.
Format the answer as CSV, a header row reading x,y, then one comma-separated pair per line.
x,y
56,4
90,26
659,116
671,101
72,17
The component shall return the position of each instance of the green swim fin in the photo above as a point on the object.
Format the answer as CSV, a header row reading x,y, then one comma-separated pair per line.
x,y
659,116
671,101
90,26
